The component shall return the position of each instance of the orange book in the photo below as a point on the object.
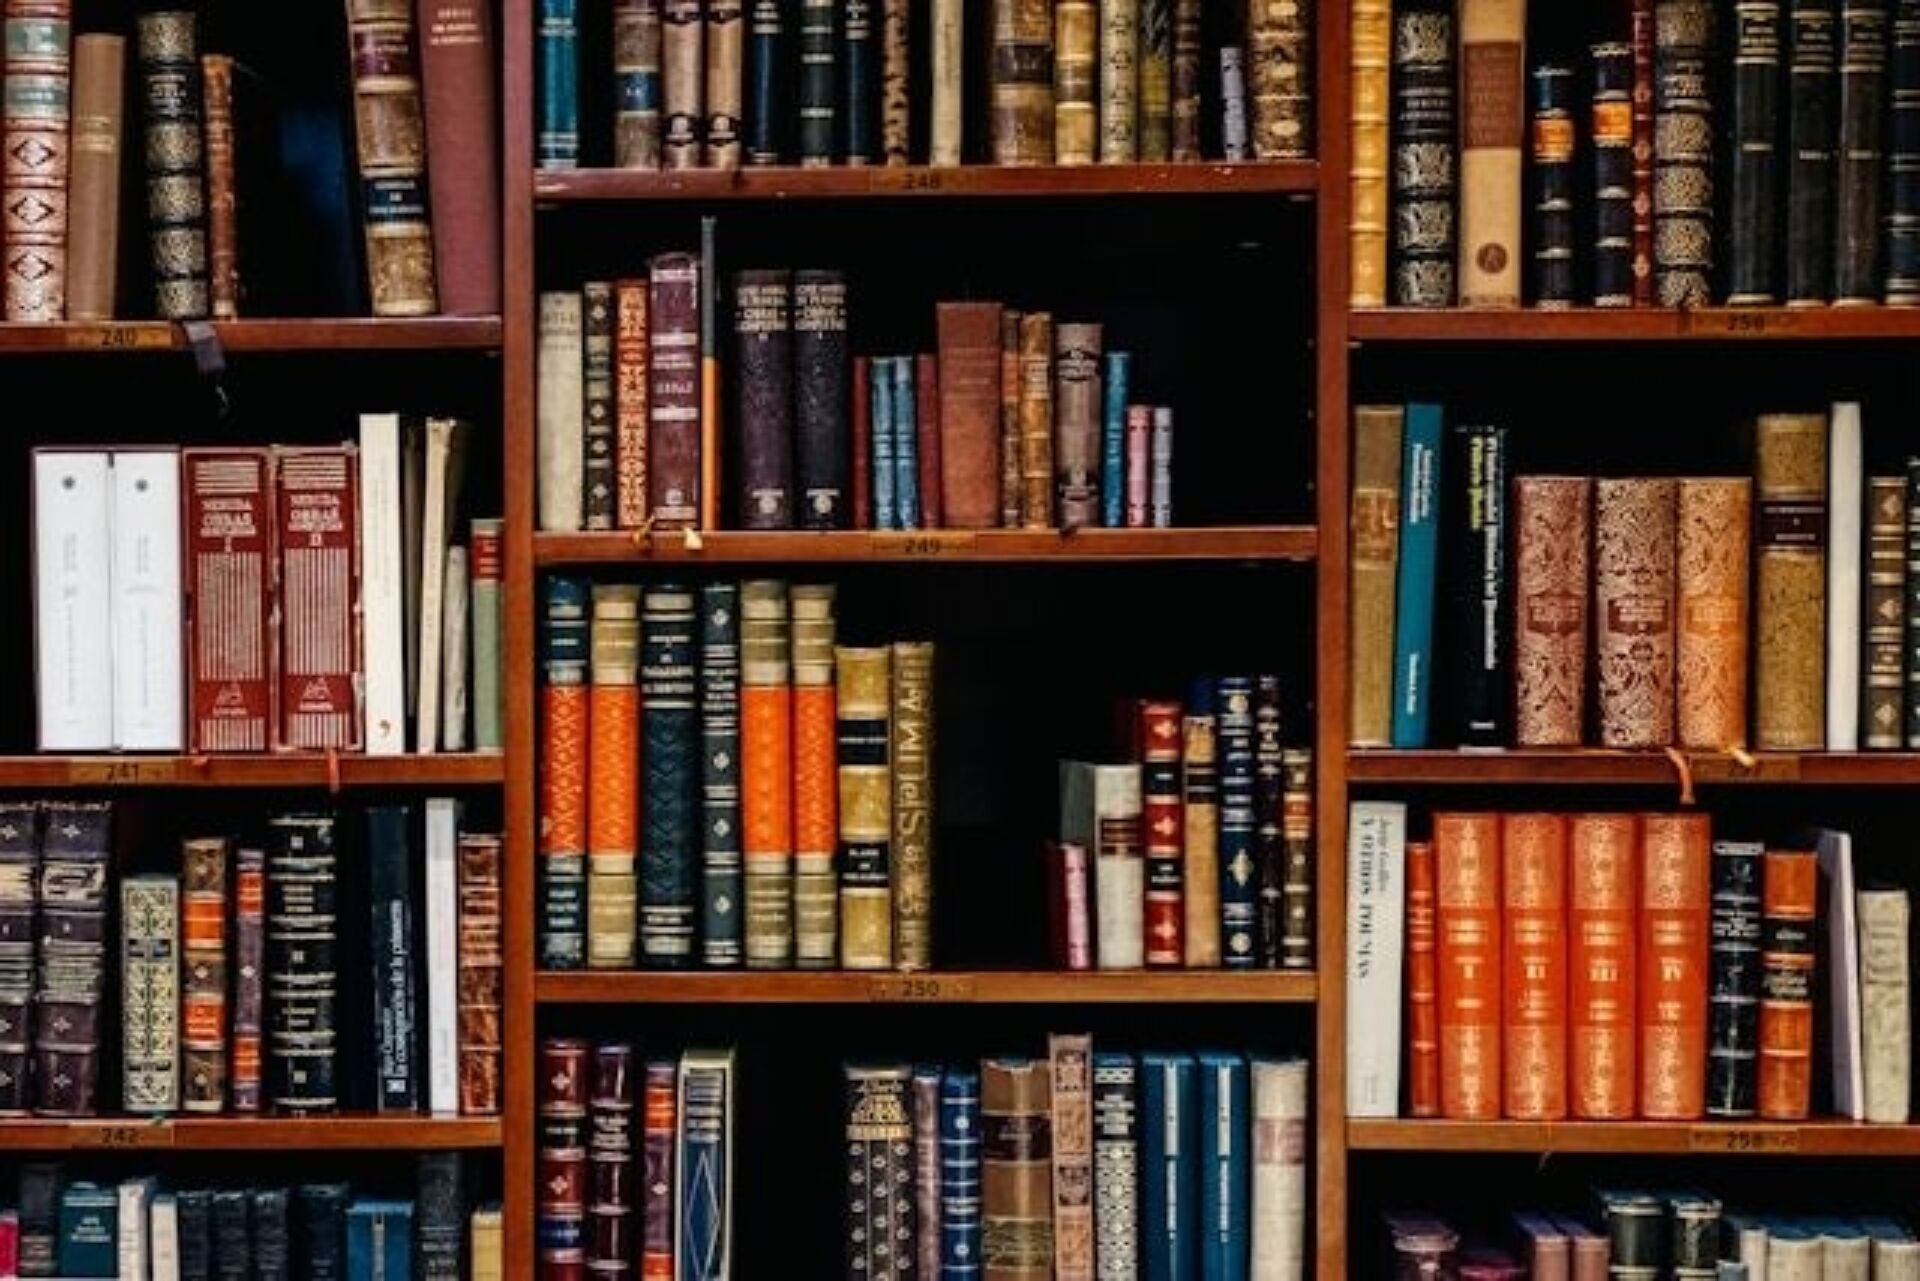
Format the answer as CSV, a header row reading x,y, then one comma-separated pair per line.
x,y
766,773
1789,888
816,780
1601,1056
613,776
1423,1024
1533,961
1467,877
1675,888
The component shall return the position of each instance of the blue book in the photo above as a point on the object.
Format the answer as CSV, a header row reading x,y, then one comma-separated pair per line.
x,y
1226,1168
881,377
721,888
563,872
906,444
1239,828
557,145
1116,1164
959,1175
703,1184
1113,441
1169,1171
669,662
1413,610
89,1232
380,1241
323,214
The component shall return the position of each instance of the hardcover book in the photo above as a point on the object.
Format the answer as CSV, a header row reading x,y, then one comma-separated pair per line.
x,y
1071,1076
630,402
864,707
1884,682
1790,493
457,59
149,993
960,1172
1020,121
1552,569
766,772
1812,103
1533,965
820,425
1075,116
720,871
1733,992
1675,880
683,65
1492,129
763,346
560,412
598,430
1370,39
1633,585
73,600
319,654
1602,1056
395,951
1225,1163
1845,483
1886,1021
93,205
1612,152
927,1185
637,84
203,954
880,1169
1376,908
1170,1127
1859,152
910,756
565,758
1279,1144
816,821
1280,47
703,1176
1467,855
1156,79
1375,521
1162,829
1711,611
230,598
392,147
1076,407
668,664
1420,491
1422,1012
1423,156
1200,838
1100,812
169,58
1477,576
612,800
1239,828
303,985
673,367
1683,159
39,74
479,986
1789,886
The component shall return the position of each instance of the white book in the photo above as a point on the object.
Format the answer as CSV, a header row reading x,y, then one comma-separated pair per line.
x,y
73,593
1845,1254
453,646
443,955
1281,1138
1844,484
1746,1238
1376,936
1100,812
1835,851
382,581
135,1254
1886,1026
1793,1254
164,1223
446,440
149,671
1896,1258
561,441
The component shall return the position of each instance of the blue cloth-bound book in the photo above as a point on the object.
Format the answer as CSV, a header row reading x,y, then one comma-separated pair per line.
x,y
884,511
1413,610
89,1231
1169,1174
959,1175
380,1241
1113,441
1225,1166
558,143
1239,828
670,756
906,445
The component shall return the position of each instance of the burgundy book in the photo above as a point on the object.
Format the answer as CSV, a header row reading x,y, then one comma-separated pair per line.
x,y
659,1127
561,1199
478,986
249,975
969,487
1069,918
318,527
926,392
463,176
673,376
228,583
862,443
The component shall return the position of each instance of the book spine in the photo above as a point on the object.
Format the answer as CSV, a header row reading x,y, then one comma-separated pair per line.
x,y
557,136
660,1121
1016,1169
1076,399
1423,160
144,573
1200,837
879,1172
885,442
489,573
637,83
1911,697
1601,1052
860,480
1070,1061
1012,442
560,411
439,1215
1164,829
1234,142
479,986
725,82
1187,49
668,667
93,208
1075,115
597,430
203,995
820,398
1813,45
896,83
1156,79
1036,415
39,74
816,822
763,345
960,1174
1675,881
1374,517
1160,481
768,109
911,756
1640,35
1733,992
1754,171
1119,81
272,1245
673,400
150,993
392,157
1711,609
1375,909
565,758
176,208
1533,964
1169,1195
1413,612
440,882
1884,680
947,67
249,969
223,247
1634,546
969,414
1903,156
682,74
1551,226
1611,143
863,705
1683,259
906,445
720,871
1020,119
230,599
1116,1166
19,881
1113,440
856,82
302,973
1224,1165
1479,611
320,669
630,404
73,600
818,96
766,773
1239,868
1885,1017
612,784
1370,41
1552,569
1467,860
1279,1146
926,390
1790,492
457,59
1844,533
703,1186
1789,889
1296,836
1492,132
610,1135
1863,107
1422,1014
1069,920
560,1127
1280,48
1269,801
926,1170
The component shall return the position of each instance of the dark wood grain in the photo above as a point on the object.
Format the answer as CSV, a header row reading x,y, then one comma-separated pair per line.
x,y
922,182
1650,324
1003,987
1717,1138
1275,542
431,333
460,769
251,1134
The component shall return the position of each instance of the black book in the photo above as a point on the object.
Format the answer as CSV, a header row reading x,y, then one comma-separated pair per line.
x,y
232,1236
440,1225
669,661
19,879
817,82
857,81
1754,175
1477,584
1634,1223
1424,163
272,1248
1613,175
39,1211
323,1230
1551,228
820,379
1912,701
393,955
302,964
721,887
70,988
194,1207
1733,993
766,83
1903,158
1810,138
1863,91
1268,797
596,308
763,353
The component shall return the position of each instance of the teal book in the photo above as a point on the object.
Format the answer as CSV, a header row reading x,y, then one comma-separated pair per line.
x,y
1113,440
906,445
1169,1169
884,514
380,1241
1413,611
1226,1128
89,1232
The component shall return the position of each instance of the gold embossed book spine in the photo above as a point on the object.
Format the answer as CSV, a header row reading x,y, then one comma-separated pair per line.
x,y
1789,667
1633,587
1376,548
1553,539
1119,81
1075,115
1188,49
1036,420
1280,42
613,761
1371,41
864,705
912,761
1022,82
223,236
1715,538
1156,79
390,129
39,82
1683,156
816,823
203,994
896,83
1492,130
1886,627
176,202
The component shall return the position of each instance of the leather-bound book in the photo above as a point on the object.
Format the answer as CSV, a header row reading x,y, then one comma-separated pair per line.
x,y
223,246
725,51
557,39
1119,81
1858,159
565,756
960,1174
1478,577
19,888
1884,680
880,1227
1239,870
1611,149
1296,838
1200,836
1375,522
768,89
1370,38
1903,156
39,75
457,60
1187,49
1016,1170
669,786
1069,916
1550,226
1270,853
906,444
1790,883
1423,156
673,401
1789,669
911,757
1552,570
1421,1245
683,66
203,987
1020,122
70,983
1633,596
947,65
1711,609
249,972
478,986
1911,698
881,467
316,498
1076,421
1036,412
1116,1164
1162,829
613,755
1467,865
863,705
720,871
1280,47
857,86
599,433
1886,1021
926,428
1533,964
1235,145
1733,990
174,150
637,83
1675,888
1075,115
763,348
390,127
149,994
659,1120
1423,1022
229,523
1640,34
1492,129
1812,101
818,98
969,426
1543,1244
860,480
927,1160
630,400
1070,1057
560,411
441,1215
820,370
93,208
303,983
1683,258
896,83
1012,443
1155,126
816,780
1753,176
560,1205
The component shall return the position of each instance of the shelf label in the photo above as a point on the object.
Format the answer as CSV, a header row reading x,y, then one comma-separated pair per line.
x,y
1733,322
920,987
930,545
134,1134
131,769
119,337
1750,1139
923,179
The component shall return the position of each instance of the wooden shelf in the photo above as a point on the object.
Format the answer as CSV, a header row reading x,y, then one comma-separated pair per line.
x,y
1600,766
1001,987
251,1134
1288,177
1252,542
429,333
453,769
1703,1138
1649,324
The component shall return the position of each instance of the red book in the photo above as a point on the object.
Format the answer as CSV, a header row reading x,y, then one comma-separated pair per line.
x,y
1164,826
1467,868
862,443
457,96
926,396
561,1197
1533,880
318,530
1675,889
249,977
1423,1022
1602,981
673,394
229,585
630,401
1789,892
660,1122
1069,918
1641,33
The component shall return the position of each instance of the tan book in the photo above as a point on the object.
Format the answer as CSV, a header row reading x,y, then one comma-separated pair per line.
x,y
1155,124
1200,850
816,829
1280,52
949,48
1075,117
1022,89
1119,81
911,756
1071,1064
1012,449
1374,558
682,71
1633,542
1715,515
1553,541
1370,50
93,211
1492,97
1789,661
613,788
863,704
1886,1022
1016,1177
1036,420
725,45
486,1243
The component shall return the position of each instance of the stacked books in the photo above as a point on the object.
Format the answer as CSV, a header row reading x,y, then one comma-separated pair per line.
x,y
670,1213
1015,421
148,1229
1158,1164
1612,966
786,813
1115,81
239,599
1198,852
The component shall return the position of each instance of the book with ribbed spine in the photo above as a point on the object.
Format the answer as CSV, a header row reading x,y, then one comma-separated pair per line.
x,y
39,75
960,1174
175,163
673,397
1269,791
911,760
610,1142
302,982
316,496
557,40
150,994
926,1168
561,449
1370,43
1683,160
1016,1169
1675,888
565,756
223,247
1422,1014
725,83
1012,441
766,773
1162,829
1910,699
631,393
392,148
1116,1164
816,824
70,974
1903,155
880,1226
203,991
863,705
1420,489
818,97
560,1204
856,81
1239,854
249,977
720,872
703,1182
1492,36
1169,1166
659,1135
1020,117
668,681
820,383
1374,519
1184,82
896,88
1280,49
768,116
1076,401
597,431
1075,115
883,468
636,84
1036,417
683,94
1070,1068
1156,79
612,785
1754,171
1279,1145
1533,964
1711,609
1119,81
1611,151
480,984
1550,230
1224,1163
1634,543
1859,172
906,445
1200,829
1789,890
1733,992
1789,626
1884,669
1296,867
1552,571
1602,1060
1812,101
763,349
1423,127
19,891
1100,812
1467,859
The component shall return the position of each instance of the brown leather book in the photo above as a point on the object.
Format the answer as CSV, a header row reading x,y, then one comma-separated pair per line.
x,y
1280,51
969,334
1533,962
1076,416
1492,97
1714,516
1553,533
1467,873
1789,890
391,132
631,394
1790,582
1021,117
673,402
1675,888
223,234
1375,521
1011,505
896,83
1075,117
463,171
1633,539
1604,850
1423,1028
1885,675
1036,420
1016,1149
39,77
1367,121
1188,56
725,46
93,210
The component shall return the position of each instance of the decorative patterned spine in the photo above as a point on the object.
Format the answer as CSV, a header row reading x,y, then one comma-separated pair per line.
x,y
1070,1062
1076,399
1116,1166
1886,625
19,888
391,130
176,204
725,41
1119,81
1789,890
1911,696
1811,132
315,506
660,1129
1733,992
668,666
682,80
1423,156
768,94
557,143
1012,441
613,755
820,398
1754,176
39,77
1296,835
1156,79
480,984
960,1182
1017,1169
564,699
880,1168
766,765
911,757
303,987
1021,119
1634,546
1903,157
1187,50
223,246
1552,523
720,876
763,346
816,827
1675,880
1612,144
203,953
673,397
1641,39
926,1169
1789,671
1467,863
561,1206
1280,44
1036,420
949,43
863,705
1370,38
1239,871
856,81
1601,1054
249,976
150,994
610,1132
1533,879
1268,794
817,83
1711,610
1683,152
1200,816
1075,113
636,84
230,598
1163,830
704,1186
1863,106
896,83
1552,172
599,434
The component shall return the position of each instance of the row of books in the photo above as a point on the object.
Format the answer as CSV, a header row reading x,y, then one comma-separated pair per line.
x,y
601,1211
1197,853
761,84
785,815
142,1229
248,980
1654,1233
1799,188
251,599
1016,420
1630,611
1606,966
